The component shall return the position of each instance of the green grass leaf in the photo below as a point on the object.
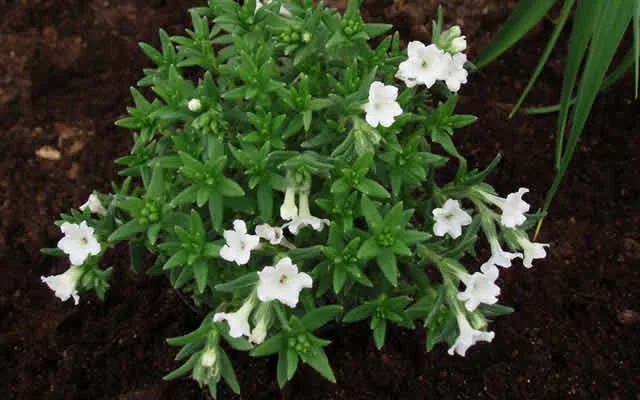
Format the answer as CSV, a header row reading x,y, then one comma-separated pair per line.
x,y
523,17
560,23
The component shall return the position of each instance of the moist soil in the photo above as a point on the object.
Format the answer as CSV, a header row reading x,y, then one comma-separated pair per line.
x,y
65,69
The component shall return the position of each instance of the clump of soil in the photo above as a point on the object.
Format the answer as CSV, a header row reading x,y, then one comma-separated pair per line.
x,y
65,69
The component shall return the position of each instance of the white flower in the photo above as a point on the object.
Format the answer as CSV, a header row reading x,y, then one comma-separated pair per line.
x,y
288,210
455,74
271,233
209,357
282,282
239,244
194,105
531,250
78,242
450,219
304,217
458,44
468,336
238,321
382,107
513,207
65,285
259,332
94,205
480,287
500,257
424,66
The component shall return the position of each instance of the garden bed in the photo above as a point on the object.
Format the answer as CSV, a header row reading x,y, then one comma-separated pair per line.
x,y
65,69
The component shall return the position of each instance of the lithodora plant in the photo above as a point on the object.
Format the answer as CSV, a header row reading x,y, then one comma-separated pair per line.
x,y
284,175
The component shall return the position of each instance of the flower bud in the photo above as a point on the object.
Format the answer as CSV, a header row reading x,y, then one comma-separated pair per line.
x,y
194,105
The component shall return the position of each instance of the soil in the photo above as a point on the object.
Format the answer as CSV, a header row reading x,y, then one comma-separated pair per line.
x,y
65,69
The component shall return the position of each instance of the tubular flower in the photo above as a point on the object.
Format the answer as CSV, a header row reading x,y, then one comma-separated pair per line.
x,y
65,285
450,219
499,256
424,66
532,250
304,217
282,282
238,321
239,244
382,108
513,207
455,75
79,242
209,357
288,210
94,205
481,287
468,336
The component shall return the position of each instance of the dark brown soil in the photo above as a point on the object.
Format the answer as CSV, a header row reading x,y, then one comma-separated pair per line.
x,y
65,69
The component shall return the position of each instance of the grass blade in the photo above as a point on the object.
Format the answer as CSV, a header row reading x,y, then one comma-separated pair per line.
x,y
524,16
581,32
613,20
562,20
626,63
636,43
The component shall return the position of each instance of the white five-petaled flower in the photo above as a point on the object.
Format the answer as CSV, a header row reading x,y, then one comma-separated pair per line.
x,y
382,108
65,285
513,207
239,243
454,74
79,242
273,234
480,287
282,282
468,336
94,205
531,250
424,66
194,105
499,256
238,321
450,219
304,217
288,209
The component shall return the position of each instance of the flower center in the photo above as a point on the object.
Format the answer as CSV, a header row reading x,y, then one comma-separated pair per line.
x,y
424,64
84,240
283,279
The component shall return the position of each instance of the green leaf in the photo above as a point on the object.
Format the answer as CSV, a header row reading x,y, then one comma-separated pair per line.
x,y
369,249
370,212
265,200
387,263
525,15
495,310
126,231
55,252
318,361
246,281
281,369
270,346
292,363
583,24
611,24
555,34
137,251
379,333
320,316
182,370
226,370
200,272
359,313
372,188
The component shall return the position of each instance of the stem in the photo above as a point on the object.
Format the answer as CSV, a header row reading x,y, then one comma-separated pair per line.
x,y
282,318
